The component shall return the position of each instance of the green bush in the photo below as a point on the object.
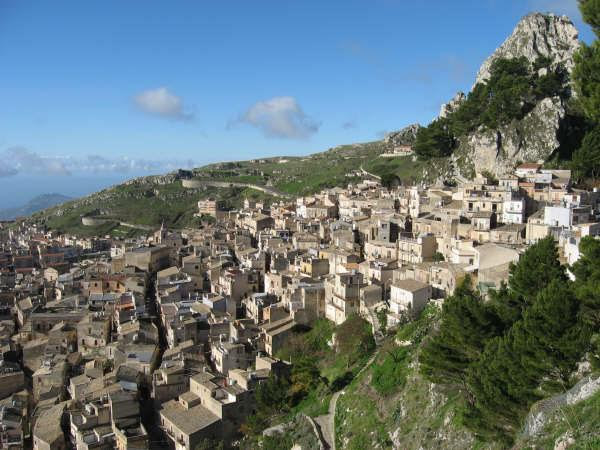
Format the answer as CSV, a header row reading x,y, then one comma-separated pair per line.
x,y
390,375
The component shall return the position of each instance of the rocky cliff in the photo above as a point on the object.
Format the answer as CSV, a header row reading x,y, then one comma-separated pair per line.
x,y
532,139
536,35
536,136
405,136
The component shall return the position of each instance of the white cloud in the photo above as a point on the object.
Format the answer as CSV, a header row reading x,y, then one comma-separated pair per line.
x,y
163,103
6,170
280,117
20,160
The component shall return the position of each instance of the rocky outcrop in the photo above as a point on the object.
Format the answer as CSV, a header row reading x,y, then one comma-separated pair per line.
x,y
406,136
537,35
448,108
533,138
542,412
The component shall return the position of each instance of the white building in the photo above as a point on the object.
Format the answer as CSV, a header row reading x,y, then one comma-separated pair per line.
x,y
407,297
513,211
565,216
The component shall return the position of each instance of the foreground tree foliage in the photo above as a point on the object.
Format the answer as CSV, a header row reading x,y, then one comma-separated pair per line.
x,y
586,78
534,359
586,159
467,323
587,273
519,346
536,268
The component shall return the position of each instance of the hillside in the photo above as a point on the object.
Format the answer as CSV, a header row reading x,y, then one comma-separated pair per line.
x,y
522,108
148,201
34,205
521,370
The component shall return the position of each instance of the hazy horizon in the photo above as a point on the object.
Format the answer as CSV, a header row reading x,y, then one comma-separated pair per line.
x,y
118,89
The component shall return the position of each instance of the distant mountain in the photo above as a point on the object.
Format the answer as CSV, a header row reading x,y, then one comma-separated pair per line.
x,y
36,204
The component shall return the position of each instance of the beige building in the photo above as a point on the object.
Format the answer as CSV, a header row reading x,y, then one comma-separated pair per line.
x,y
275,333
416,248
213,408
149,259
342,296
209,207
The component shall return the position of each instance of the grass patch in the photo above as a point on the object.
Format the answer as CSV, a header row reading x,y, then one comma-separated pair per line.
x,y
390,376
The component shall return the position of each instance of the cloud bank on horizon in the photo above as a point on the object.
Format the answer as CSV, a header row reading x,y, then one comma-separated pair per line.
x,y
16,160
163,103
280,117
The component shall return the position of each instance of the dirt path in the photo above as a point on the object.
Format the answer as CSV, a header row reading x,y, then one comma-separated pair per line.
x,y
327,421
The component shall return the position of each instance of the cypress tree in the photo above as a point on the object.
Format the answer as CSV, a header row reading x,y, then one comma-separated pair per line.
x,y
537,267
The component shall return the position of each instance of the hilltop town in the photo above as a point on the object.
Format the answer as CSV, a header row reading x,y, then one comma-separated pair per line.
x,y
165,337
434,289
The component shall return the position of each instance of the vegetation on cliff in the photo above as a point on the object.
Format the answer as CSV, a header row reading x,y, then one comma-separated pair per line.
x,y
522,345
513,89
586,78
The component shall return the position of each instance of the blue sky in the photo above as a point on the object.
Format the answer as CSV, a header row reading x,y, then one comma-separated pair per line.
x,y
149,85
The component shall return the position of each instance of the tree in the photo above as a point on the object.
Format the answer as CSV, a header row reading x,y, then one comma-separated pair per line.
x,y
507,91
435,140
588,263
382,319
466,324
390,180
587,274
586,73
354,338
590,11
535,269
551,338
305,376
272,396
586,159
515,370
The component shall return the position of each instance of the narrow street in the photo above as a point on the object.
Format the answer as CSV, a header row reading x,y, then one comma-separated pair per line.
x,y
149,411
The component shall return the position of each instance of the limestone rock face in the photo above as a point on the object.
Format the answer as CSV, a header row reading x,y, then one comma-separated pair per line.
x,y
406,136
448,108
537,35
533,138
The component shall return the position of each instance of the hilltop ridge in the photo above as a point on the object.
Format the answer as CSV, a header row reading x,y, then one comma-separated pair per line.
x,y
547,129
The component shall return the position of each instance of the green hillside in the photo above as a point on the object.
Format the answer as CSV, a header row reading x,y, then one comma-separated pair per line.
x,y
148,201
